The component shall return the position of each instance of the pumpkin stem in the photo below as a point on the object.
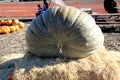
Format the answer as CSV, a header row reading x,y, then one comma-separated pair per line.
x,y
60,50
60,45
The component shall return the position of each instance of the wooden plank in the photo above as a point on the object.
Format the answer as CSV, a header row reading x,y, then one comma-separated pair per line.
x,y
105,14
104,19
107,22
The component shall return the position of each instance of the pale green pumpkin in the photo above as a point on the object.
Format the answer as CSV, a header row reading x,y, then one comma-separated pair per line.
x,y
64,31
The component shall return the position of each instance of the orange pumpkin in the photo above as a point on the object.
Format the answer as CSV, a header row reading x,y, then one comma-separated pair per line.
x,y
21,24
9,22
4,22
12,28
1,22
17,27
5,30
15,21
0,30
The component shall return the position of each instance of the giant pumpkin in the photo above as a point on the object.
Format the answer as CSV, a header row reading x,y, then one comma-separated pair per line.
x,y
64,31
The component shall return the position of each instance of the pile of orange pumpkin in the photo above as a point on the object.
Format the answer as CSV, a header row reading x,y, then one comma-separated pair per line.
x,y
9,26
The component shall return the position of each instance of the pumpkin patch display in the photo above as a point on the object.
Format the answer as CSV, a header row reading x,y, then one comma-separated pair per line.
x,y
9,26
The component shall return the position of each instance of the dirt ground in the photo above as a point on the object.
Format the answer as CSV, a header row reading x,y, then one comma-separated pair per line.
x,y
15,42
112,41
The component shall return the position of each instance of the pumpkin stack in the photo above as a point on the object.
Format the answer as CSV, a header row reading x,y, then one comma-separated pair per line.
x,y
8,26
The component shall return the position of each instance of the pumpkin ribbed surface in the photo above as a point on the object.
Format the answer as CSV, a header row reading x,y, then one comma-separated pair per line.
x,y
64,31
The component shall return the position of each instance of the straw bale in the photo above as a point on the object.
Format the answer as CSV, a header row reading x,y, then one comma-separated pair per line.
x,y
103,65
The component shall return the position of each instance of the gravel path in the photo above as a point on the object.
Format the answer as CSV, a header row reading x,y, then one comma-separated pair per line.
x,y
13,42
